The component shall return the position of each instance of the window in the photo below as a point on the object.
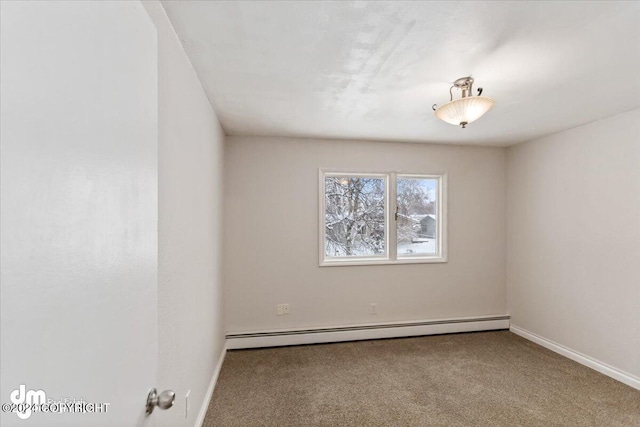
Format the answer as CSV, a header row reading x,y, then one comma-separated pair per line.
x,y
381,218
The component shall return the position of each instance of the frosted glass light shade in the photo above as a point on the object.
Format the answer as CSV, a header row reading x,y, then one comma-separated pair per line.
x,y
465,110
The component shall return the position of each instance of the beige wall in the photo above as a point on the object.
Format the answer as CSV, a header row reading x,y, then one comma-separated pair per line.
x,y
190,312
574,239
271,236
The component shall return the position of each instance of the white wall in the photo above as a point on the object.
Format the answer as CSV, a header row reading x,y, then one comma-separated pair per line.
x,y
574,239
191,331
79,207
271,236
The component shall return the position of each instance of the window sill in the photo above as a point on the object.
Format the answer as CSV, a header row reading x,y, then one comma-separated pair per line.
x,y
386,261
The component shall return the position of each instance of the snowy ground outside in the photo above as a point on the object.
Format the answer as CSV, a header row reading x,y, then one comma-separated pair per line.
x,y
422,248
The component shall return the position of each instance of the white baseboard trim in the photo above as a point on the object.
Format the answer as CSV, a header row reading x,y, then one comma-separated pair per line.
x,y
365,332
603,368
212,386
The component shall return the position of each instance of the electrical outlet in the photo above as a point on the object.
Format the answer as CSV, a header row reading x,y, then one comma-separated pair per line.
x,y
373,308
186,405
282,309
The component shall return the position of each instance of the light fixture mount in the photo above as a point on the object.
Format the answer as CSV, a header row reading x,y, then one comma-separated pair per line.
x,y
465,84
468,108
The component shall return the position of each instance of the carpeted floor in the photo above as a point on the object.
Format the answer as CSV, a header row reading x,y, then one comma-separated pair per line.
x,y
474,379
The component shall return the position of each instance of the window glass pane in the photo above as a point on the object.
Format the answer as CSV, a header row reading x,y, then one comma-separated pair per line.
x,y
354,216
417,222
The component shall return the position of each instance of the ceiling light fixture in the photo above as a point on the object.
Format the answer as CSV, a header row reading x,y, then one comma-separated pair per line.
x,y
465,110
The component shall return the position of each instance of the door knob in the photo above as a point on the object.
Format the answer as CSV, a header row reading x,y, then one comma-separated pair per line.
x,y
163,400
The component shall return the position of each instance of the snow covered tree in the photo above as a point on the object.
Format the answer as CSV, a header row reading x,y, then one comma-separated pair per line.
x,y
354,216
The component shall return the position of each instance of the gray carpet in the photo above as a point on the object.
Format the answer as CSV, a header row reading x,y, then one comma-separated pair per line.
x,y
474,379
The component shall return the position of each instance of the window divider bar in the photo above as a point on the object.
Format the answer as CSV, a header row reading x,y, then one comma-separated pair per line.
x,y
392,222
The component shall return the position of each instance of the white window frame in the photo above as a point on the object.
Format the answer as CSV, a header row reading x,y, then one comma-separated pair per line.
x,y
391,241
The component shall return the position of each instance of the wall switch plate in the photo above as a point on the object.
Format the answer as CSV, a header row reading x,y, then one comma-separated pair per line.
x,y
373,308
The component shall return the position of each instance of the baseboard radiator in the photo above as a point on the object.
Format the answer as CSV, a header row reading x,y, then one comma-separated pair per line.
x,y
365,332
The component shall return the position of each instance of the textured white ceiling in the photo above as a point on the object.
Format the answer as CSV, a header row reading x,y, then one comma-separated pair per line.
x,y
371,70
